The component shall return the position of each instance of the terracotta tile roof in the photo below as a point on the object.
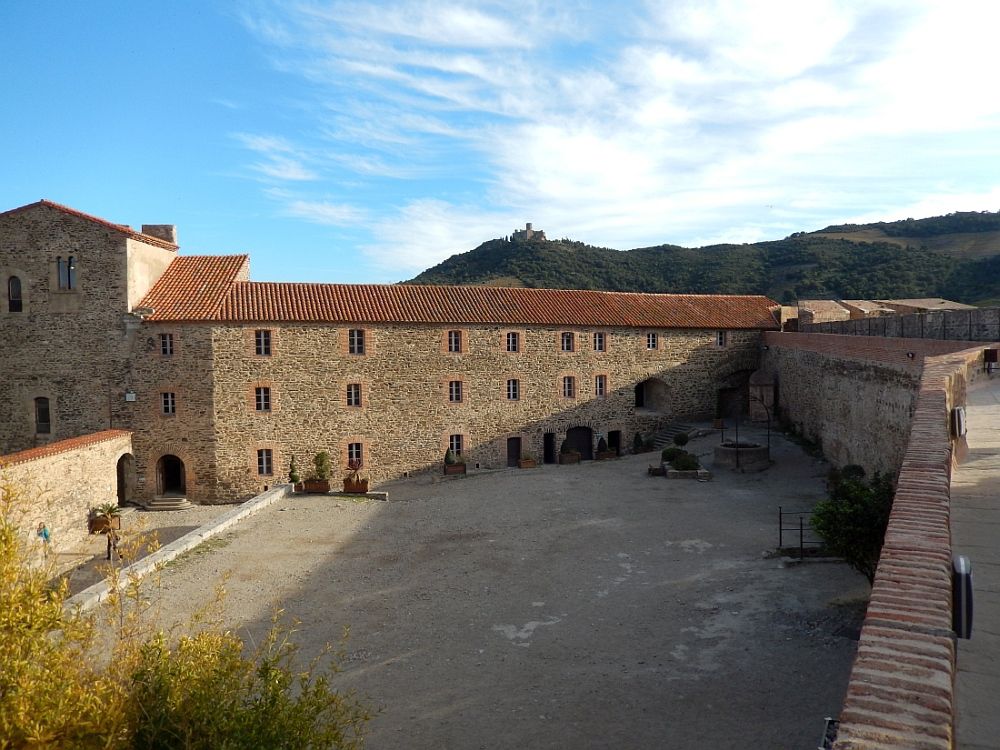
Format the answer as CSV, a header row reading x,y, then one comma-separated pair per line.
x,y
194,287
123,228
61,446
204,289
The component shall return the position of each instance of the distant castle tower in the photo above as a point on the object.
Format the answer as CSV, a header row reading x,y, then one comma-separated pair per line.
x,y
527,233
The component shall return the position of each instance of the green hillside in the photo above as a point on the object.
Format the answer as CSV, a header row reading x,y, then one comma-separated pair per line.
x,y
915,258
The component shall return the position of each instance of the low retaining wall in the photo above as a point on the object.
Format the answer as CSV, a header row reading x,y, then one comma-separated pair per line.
x,y
901,691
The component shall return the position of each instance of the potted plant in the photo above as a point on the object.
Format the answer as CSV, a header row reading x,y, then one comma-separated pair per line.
x,y
602,450
453,464
104,517
319,480
638,444
354,482
527,461
293,476
567,455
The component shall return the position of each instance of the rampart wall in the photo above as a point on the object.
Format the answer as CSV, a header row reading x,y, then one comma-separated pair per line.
x,y
957,325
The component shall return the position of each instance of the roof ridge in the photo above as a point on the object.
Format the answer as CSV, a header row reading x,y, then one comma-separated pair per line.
x,y
123,228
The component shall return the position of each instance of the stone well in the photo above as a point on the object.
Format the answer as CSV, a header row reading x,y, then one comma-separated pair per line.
x,y
744,456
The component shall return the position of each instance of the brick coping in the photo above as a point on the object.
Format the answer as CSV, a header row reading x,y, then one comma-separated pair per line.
x,y
62,446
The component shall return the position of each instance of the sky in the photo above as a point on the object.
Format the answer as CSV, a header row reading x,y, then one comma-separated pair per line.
x,y
356,142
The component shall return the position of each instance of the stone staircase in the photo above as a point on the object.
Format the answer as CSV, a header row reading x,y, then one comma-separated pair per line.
x,y
665,437
170,502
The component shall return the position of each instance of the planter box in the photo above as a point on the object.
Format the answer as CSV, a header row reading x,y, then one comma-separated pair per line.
x,y
452,469
316,486
569,458
101,524
356,486
605,455
526,463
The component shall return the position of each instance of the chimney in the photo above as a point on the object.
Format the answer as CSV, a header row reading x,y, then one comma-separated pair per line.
x,y
166,232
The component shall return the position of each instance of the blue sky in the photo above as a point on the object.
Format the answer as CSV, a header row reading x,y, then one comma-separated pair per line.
x,y
364,142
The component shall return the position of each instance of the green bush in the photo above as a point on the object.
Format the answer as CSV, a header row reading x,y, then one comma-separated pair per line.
x,y
681,439
323,466
449,457
602,445
671,452
685,462
293,472
637,443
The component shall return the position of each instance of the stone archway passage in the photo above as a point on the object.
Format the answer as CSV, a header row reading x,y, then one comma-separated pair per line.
x,y
170,476
581,439
126,478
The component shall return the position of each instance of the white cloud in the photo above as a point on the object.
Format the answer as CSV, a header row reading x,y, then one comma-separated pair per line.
x,y
321,212
282,160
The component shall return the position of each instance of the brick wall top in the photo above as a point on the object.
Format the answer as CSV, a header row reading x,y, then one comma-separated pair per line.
x,y
901,691
887,350
62,446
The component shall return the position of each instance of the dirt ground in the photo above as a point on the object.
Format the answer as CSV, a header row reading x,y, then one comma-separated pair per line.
x,y
587,606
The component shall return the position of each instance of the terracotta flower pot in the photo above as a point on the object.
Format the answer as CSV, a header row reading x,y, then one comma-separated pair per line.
x,y
316,486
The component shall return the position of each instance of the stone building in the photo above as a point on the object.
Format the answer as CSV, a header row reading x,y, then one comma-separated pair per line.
x,y
522,235
222,380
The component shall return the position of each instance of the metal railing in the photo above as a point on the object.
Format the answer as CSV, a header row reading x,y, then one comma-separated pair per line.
x,y
794,524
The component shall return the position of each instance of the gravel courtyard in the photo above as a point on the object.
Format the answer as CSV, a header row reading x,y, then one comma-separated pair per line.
x,y
585,606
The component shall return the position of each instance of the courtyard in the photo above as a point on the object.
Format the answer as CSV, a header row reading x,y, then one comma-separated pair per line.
x,y
586,606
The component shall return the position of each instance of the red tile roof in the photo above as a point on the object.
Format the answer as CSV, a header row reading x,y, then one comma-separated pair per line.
x,y
204,289
123,228
61,446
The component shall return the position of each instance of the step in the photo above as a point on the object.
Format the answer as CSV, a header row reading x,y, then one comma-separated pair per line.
x,y
169,503
665,437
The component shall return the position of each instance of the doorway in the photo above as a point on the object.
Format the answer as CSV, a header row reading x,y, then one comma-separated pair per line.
x,y
513,451
581,439
549,448
170,479
126,478
615,441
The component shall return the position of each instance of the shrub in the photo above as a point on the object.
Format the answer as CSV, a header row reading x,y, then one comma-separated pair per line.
x,y
671,452
564,447
853,520
602,445
685,462
449,457
323,466
681,439
637,443
293,472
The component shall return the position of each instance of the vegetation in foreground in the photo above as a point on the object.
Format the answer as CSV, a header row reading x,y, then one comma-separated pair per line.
x,y
64,686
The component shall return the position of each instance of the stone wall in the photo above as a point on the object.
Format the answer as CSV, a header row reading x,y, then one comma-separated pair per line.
x,y
960,325
60,482
406,418
852,396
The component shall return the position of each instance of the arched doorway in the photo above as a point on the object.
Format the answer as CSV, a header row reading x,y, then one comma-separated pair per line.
x,y
652,394
581,439
170,478
126,478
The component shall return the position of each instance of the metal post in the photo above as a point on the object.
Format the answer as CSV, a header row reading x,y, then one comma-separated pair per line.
x,y
801,531
781,523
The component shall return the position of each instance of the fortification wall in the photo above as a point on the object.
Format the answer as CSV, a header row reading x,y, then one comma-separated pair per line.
x,y
959,325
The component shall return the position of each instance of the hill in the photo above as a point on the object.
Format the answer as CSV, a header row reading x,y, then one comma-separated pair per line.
x,y
955,256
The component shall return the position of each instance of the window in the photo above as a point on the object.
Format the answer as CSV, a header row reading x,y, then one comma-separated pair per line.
x,y
455,444
66,268
513,342
600,385
569,387
599,345
720,338
455,342
513,389
168,403
167,344
262,343
43,423
455,391
356,341
355,453
265,462
354,394
650,340
567,342
14,301
262,398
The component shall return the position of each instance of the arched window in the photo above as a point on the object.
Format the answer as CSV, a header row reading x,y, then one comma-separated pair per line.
x,y
43,423
14,301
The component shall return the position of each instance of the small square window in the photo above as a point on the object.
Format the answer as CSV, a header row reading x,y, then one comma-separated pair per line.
x,y
455,342
262,343
513,389
651,340
166,344
600,385
721,338
168,403
265,462
354,394
455,391
569,387
455,443
355,454
513,341
567,341
599,343
263,398
356,341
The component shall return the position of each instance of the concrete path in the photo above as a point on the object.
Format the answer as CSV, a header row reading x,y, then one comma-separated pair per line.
x,y
975,532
